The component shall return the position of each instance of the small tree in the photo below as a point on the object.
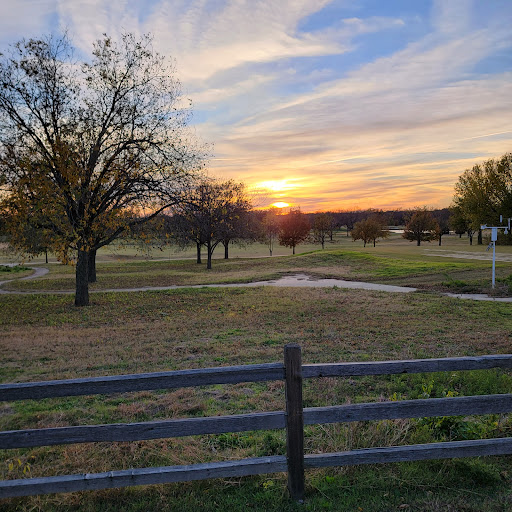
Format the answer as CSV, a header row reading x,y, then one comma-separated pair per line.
x,y
458,222
348,218
443,222
295,229
421,227
322,228
213,212
370,230
236,226
184,227
23,234
270,227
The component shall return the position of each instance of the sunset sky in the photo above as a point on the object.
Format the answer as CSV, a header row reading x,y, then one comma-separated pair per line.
x,y
322,104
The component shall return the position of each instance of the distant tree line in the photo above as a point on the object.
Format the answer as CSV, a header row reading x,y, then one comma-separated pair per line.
x,y
212,212
221,213
370,225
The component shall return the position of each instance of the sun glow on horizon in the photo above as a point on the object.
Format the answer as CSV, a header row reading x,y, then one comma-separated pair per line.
x,y
280,204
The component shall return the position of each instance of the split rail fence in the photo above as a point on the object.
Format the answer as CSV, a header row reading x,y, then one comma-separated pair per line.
x,y
293,419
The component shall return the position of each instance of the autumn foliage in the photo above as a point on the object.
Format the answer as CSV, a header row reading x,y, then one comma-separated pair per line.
x,y
370,230
89,149
294,229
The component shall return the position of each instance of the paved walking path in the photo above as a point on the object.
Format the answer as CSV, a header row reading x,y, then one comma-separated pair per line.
x,y
466,255
294,281
38,272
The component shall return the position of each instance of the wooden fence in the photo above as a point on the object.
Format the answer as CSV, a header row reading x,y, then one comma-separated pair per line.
x,y
293,419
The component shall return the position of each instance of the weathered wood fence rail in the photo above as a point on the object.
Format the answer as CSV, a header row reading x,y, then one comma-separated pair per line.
x,y
293,419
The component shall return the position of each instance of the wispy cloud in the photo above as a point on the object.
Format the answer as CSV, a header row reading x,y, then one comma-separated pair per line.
x,y
210,38
410,103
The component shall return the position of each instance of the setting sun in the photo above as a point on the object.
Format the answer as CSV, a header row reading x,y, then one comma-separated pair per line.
x,y
276,193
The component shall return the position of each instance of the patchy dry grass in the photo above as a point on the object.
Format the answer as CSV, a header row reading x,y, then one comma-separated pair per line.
x,y
163,327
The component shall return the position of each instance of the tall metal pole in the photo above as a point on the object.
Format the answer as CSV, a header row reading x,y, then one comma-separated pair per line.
x,y
493,263
494,239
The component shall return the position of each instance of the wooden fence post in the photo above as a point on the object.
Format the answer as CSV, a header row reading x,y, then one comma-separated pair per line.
x,y
294,421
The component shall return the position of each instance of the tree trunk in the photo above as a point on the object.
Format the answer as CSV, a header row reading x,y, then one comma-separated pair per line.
x,y
293,251
82,280
226,251
470,239
198,248
46,255
480,241
210,253
323,245
440,236
418,241
91,276
374,242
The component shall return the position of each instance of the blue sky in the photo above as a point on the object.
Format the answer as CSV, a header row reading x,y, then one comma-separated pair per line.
x,y
322,104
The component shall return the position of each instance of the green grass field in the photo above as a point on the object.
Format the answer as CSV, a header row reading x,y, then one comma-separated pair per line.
x,y
45,337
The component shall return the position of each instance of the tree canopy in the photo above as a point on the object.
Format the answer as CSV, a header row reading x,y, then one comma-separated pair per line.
x,y
484,192
370,230
294,229
213,212
421,227
89,148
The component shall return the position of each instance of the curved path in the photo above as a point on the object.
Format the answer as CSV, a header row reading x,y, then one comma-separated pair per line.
x,y
38,272
294,281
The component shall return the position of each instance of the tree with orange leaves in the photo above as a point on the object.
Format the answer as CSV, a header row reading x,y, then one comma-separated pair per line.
x,y
294,229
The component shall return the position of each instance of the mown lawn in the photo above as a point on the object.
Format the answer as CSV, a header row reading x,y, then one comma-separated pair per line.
x,y
45,337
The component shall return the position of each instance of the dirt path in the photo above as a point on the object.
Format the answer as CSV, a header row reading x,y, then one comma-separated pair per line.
x,y
294,281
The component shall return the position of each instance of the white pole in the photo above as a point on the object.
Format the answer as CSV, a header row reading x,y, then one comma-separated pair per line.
x,y
494,239
493,263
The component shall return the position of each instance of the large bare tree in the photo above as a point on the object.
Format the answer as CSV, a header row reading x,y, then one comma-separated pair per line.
x,y
87,149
